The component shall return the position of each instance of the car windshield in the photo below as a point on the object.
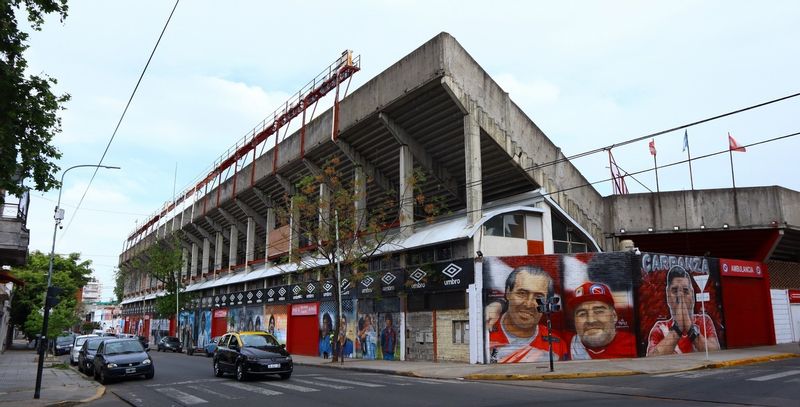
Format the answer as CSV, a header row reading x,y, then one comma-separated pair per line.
x,y
256,341
80,341
114,348
64,340
171,339
93,344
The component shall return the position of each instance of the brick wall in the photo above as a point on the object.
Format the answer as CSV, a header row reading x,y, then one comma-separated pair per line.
x,y
446,350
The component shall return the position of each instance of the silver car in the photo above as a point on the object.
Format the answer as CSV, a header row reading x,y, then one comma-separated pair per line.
x,y
76,347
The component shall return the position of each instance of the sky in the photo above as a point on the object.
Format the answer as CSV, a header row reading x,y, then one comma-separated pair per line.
x,y
588,73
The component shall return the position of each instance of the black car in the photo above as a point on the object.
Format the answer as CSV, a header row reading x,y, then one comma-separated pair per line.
x,y
120,358
64,344
169,343
251,353
86,354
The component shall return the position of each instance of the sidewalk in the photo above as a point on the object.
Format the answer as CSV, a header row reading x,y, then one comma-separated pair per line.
x,y
563,370
60,386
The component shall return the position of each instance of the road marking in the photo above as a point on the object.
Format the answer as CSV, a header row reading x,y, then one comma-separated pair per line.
x,y
184,398
254,389
184,382
774,376
328,385
363,384
290,386
209,391
667,374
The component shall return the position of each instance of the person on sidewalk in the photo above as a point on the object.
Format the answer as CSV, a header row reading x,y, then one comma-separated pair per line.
x,y
685,331
517,336
388,339
595,317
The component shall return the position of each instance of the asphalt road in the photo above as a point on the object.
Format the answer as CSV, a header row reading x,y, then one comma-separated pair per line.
x,y
186,381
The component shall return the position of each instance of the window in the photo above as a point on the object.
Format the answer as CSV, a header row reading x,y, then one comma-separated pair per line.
x,y
461,332
508,225
566,239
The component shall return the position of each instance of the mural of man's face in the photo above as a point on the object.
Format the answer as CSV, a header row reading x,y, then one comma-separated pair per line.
x,y
522,314
595,323
679,294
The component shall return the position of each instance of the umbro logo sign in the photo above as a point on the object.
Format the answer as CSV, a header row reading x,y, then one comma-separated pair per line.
x,y
417,275
451,270
388,278
367,281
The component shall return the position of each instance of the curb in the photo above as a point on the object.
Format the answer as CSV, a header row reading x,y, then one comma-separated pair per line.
x,y
749,361
548,376
368,370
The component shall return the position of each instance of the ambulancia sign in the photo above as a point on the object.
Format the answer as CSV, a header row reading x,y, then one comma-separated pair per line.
x,y
741,268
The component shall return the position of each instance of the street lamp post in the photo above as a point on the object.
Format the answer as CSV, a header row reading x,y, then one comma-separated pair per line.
x,y
58,216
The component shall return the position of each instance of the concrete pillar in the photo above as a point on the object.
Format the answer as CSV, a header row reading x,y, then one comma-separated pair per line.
x,y
195,258
184,262
234,249
324,211
206,254
269,227
294,237
472,160
218,246
360,192
406,191
250,242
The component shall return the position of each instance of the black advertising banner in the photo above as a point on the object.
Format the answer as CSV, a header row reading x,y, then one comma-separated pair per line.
x,y
312,290
271,295
348,288
238,298
368,286
258,296
327,290
457,274
283,295
250,297
391,282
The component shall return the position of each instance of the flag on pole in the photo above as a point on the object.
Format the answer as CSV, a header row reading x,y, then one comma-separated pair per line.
x,y
653,147
733,145
685,140
617,179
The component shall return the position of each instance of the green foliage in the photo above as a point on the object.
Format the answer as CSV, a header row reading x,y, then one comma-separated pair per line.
x,y
120,279
29,120
87,327
69,273
162,261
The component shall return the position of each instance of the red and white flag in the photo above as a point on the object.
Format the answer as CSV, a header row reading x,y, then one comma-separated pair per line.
x,y
733,145
653,147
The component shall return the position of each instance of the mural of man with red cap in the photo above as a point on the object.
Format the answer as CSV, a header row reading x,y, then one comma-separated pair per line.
x,y
684,332
595,318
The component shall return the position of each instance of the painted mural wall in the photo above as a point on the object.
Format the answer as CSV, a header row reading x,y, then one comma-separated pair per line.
x,y
276,321
596,318
680,306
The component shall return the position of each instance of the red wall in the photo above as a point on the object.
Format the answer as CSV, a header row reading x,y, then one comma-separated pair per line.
x,y
303,335
748,310
219,322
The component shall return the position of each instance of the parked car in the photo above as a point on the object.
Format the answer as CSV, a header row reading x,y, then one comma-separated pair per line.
x,y
76,347
211,347
169,343
86,354
121,358
63,344
251,353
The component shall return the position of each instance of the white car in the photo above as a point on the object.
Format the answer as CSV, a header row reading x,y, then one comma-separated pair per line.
x,y
76,347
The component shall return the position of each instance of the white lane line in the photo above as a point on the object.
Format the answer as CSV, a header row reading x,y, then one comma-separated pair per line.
x,y
667,374
184,398
218,394
355,383
774,376
254,389
328,385
185,382
290,386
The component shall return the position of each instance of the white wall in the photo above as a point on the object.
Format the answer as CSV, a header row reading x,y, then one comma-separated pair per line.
x,y
782,319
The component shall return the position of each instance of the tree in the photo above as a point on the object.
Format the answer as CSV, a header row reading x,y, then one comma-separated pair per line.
x,y
69,273
162,261
29,108
325,205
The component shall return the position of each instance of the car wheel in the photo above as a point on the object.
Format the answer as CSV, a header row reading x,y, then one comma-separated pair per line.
x,y
286,376
217,371
103,378
96,375
240,374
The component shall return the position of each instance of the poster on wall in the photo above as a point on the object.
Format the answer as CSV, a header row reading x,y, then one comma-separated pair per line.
x,y
186,331
388,336
203,328
596,320
276,320
158,329
347,335
366,336
672,296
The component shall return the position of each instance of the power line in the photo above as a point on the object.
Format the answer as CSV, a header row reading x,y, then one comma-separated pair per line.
x,y
130,99
91,209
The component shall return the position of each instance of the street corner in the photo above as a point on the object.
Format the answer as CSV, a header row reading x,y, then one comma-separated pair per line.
x,y
549,376
750,360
